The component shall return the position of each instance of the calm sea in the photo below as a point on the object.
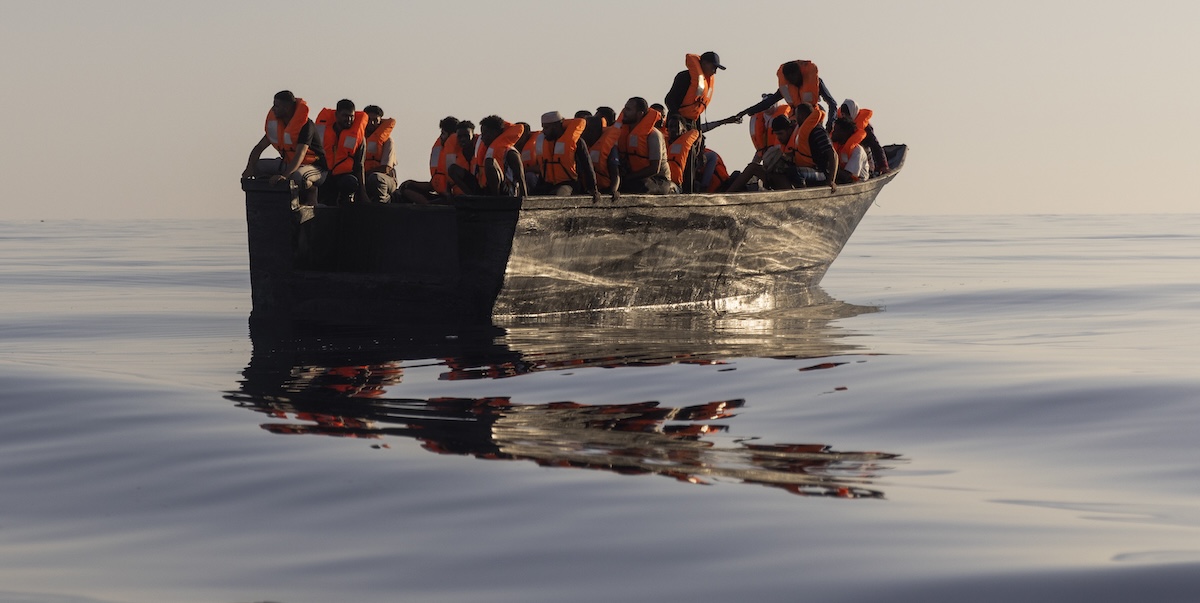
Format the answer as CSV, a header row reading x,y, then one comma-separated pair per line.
x,y
971,409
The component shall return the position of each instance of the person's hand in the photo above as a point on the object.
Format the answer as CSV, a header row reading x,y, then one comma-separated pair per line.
x,y
248,172
832,186
277,178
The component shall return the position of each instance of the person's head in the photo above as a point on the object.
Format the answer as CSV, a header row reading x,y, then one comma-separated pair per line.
x,y
345,113
583,114
525,135
609,115
675,127
710,63
490,128
801,112
448,125
662,112
792,73
374,118
781,126
465,133
593,129
848,110
635,110
284,105
552,125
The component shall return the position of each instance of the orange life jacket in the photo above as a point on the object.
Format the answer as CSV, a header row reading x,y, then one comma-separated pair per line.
x,y
375,142
438,179
284,136
496,150
339,149
809,90
677,154
760,126
528,158
557,157
861,121
634,146
600,153
699,92
797,147
720,173
456,155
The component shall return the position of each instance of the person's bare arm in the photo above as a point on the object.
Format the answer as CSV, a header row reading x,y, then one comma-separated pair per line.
x,y
512,160
292,165
614,171
255,153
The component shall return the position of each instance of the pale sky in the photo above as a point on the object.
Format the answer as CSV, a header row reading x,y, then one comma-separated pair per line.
x,y
133,109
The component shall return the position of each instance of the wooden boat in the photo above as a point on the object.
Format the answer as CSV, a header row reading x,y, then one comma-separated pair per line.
x,y
482,256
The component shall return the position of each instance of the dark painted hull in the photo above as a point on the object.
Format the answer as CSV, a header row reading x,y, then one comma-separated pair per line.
x,y
451,263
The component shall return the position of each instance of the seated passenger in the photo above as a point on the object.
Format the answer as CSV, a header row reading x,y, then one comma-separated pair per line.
x,y
496,168
379,157
643,150
343,134
601,139
413,191
609,115
679,148
760,126
714,176
293,134
565,166
861,120
806,158
853,163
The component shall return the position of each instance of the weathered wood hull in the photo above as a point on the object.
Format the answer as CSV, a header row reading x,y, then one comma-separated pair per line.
x,y
481,256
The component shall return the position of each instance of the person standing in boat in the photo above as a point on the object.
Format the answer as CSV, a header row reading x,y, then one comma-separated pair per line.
x,y
496,168
806,157
689,96
414,191
293,134
799,83
343,135
379,156
643,151
563,159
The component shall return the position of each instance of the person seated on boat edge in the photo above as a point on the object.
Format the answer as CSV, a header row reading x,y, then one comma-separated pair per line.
x,y
643,151
301,156
414,191
379,157
343,135
807,157
679,148
565,165
860,119
601,139
496,168
714,176
799,82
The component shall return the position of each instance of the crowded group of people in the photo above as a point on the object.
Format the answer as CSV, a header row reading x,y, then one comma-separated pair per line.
x,y
347,155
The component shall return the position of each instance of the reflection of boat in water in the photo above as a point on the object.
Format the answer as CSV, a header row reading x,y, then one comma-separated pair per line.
x,y
348,384
403,263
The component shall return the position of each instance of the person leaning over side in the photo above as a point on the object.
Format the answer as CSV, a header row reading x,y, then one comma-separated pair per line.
x,y
807,157
379,156
343,135
563,158
293,134
799,83
643,151
496,168
601,139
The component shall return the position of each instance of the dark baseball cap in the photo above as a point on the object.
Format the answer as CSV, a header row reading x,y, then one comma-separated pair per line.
x,y
713,58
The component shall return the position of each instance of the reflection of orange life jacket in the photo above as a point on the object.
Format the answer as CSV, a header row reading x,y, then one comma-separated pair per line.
x,y
797,147
809,90
557,157
760,126
720,173
601,152
699,92
635,148
374,153
528,159
438,179
284,137
677,154
496,150
339,149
